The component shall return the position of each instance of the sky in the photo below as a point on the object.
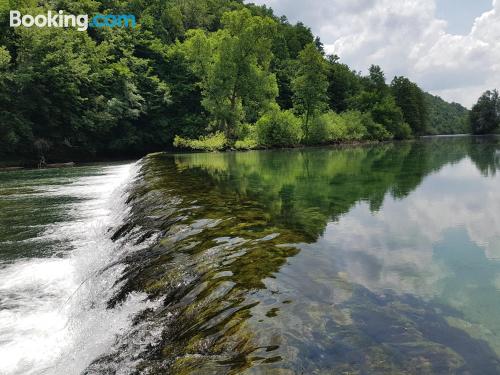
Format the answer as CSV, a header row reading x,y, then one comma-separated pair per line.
x,y
451,48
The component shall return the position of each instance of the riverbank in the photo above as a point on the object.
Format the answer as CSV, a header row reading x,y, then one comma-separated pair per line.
x,y
13,164
27,164
20,164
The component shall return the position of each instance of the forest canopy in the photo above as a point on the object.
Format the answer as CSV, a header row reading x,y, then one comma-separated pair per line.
x,y
202,74
485,114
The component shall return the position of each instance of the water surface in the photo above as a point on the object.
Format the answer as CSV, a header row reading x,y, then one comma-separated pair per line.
x,y
381,259
54,284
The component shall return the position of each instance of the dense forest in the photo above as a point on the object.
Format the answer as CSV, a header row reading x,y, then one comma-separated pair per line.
x,y
485,114
446,118
202,74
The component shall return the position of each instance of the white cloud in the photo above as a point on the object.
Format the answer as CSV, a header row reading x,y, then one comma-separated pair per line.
x,y
395,247
406,38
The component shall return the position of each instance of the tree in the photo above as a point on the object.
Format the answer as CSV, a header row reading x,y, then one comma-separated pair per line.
x,y
15,130
343,83
297,37
375,98
310,84
387,113
279,128
410,98
192,68
485,114
377,79
233,64
444,117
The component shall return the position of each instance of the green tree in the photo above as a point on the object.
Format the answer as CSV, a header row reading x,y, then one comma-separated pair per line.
x,y
297,37
375,98
199,69
485,114
387,113
310,84
376,79
410,98
446,118
343,83
279,128
15,130
233,64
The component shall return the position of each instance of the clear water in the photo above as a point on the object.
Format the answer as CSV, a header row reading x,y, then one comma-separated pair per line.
x,y
381,259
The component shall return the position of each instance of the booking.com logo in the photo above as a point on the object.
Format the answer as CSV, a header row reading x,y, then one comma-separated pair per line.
x,y
80,22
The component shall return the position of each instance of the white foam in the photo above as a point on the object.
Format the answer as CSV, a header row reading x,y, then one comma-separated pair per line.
x,y
53,313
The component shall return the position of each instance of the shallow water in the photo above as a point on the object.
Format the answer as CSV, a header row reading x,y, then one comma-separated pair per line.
x,y
366,260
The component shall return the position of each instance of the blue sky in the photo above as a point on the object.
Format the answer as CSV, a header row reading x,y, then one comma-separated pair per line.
x,y
449,47
460,15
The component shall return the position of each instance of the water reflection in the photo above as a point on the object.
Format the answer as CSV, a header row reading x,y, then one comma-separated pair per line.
x,y
379,259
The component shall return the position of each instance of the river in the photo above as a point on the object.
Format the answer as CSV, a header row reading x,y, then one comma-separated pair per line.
x,y
374,259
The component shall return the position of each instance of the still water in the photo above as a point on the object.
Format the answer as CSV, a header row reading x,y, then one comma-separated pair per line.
x,y
362,260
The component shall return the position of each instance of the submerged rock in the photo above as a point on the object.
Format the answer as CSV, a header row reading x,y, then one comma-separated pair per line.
x,y
216,241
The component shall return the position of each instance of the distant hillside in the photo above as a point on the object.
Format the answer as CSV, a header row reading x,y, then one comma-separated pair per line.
x,y
446,118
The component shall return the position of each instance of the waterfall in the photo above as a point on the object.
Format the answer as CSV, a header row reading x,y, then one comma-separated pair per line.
x,y
54,317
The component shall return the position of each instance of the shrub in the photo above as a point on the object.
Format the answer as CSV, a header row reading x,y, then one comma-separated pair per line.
x,y
326,128
247,137
212,142
355,128
333,127
244,130
318,130
375,131
403,131
347,126
248,143
336,127
390,116
279,128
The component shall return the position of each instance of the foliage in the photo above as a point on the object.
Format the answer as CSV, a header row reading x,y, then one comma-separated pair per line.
x,y
213,142
376,80
191,68
387,113
355,127
410,98
375,131
15,131
342,84
279,128
247,137
403,132
233,64
310,84
485,114
332,127
287,44
444,117
246,144
376,98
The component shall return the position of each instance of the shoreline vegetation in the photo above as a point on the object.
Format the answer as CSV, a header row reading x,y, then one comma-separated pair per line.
x,y
15,165
202,75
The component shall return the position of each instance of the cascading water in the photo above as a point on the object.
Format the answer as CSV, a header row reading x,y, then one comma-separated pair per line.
x,y
53,308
